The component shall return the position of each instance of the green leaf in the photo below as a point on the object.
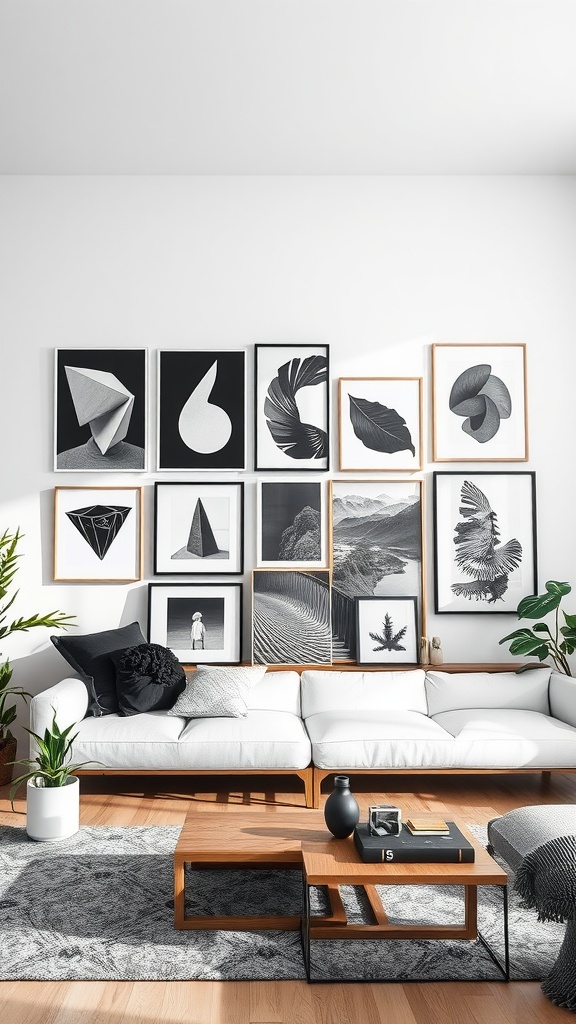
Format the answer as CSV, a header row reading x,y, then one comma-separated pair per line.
x,y
524,642
541,627
541,604
570,620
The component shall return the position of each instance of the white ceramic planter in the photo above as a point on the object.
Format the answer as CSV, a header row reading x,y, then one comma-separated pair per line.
x,y
53,813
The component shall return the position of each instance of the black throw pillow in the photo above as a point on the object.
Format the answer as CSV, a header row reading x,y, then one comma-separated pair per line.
x,y
89,655
149,677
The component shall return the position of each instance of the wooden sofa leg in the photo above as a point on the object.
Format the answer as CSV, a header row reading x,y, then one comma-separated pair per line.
x,y
318,776
308,778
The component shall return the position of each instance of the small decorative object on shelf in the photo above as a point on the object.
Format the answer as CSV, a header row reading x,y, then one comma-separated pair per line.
x,y
424,651
341,811
436,655
384,820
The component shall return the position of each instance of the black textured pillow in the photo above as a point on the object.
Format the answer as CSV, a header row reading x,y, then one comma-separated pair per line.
x,y
89,655
149,677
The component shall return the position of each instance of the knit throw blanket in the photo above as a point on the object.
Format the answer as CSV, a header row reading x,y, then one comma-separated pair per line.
x,y
546,880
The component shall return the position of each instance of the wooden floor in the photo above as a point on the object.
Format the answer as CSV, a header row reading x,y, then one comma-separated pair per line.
x,y
163,801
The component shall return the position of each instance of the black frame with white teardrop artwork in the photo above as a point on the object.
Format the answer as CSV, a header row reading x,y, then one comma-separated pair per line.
x,y
292,407
380,424
201,410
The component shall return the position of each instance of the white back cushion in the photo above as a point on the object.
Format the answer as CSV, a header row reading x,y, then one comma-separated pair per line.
x,y
454,691
363,691
276,691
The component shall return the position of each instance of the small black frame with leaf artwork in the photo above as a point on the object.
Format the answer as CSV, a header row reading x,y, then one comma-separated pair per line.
x,y
386,631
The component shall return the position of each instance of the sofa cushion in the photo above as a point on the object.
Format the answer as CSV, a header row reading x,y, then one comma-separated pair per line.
x,y
217,692
563,698
263,739
396,739
149,677
146,741
275,691
89,655
504,738
351,691
450,691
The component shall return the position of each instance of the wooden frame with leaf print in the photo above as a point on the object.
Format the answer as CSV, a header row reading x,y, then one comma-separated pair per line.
x,y
484,541
380,424
386,631
98,534
173,608
376,548
292,407
479,403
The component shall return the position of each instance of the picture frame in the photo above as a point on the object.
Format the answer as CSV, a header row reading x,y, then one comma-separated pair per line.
x,y
387,630
100,410
173,609
376,549
198,528
98,534
484,541
201,410
291,620
291,524
479,403
380,424
292,407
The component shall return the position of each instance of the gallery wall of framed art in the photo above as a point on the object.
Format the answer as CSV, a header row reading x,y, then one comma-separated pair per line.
x,y
336,566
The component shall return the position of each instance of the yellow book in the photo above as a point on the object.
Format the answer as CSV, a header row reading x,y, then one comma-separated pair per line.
x,y
427,826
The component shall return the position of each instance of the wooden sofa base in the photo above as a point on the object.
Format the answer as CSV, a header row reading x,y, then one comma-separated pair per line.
x,y
306,774
322,773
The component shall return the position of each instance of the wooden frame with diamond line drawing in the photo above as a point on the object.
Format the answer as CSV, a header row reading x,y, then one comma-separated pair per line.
x,y
379,423
479,403
98,534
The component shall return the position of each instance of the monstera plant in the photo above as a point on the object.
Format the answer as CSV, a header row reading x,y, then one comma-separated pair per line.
x,y
8,568
543,641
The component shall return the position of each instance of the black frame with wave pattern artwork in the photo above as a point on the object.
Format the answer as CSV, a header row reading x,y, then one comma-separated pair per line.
x,y
292,408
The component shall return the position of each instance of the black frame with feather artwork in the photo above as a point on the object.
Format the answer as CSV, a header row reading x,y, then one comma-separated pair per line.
x,y
387,630
380,424
292,407
484,541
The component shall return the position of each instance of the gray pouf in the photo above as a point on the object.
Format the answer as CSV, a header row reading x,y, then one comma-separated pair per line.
x,y
539,844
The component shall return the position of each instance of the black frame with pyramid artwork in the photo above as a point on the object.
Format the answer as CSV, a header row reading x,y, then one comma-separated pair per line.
x,y
199,528
98,534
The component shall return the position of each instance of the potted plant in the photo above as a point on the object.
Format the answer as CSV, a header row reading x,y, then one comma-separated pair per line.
x,y
542,641
52,790
8,568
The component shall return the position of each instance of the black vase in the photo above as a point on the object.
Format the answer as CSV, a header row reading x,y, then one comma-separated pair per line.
x,y
341,811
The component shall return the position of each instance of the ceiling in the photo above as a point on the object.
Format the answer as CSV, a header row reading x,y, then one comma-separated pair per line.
x,y
287,87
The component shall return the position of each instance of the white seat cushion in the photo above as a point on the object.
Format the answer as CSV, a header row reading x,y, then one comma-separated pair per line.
x,y
276,691
143,741
264,739
361,739
450,691
369,691
502,738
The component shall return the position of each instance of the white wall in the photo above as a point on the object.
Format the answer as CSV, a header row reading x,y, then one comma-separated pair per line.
x,y
379,268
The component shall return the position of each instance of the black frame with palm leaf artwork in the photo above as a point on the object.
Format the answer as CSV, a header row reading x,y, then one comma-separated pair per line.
x,y
287,438
387,630
484,541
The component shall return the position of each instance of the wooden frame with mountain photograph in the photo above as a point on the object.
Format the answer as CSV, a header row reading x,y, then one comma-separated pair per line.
x,y
376,550
380,424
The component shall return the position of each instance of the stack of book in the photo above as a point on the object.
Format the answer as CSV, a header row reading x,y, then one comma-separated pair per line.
x,y
420,840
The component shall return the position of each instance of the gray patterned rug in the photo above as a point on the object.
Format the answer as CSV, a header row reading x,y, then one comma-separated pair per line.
x,y
99,906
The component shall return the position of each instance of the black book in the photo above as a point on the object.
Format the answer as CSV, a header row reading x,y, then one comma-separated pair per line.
x,y
452,849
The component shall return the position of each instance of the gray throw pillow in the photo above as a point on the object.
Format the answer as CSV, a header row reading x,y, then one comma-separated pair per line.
x,y
217,692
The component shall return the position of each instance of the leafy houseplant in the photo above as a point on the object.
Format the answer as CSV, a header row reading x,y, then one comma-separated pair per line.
x,y
540,641
8,567
50,814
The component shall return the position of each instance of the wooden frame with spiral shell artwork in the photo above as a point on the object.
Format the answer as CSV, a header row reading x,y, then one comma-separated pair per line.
x,y
479,403
290,434
380,424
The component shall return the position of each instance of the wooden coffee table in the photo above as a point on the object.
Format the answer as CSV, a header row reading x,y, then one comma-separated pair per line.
x,y
297,839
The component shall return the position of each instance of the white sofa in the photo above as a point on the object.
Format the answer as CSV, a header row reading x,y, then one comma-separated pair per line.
x,y
329,721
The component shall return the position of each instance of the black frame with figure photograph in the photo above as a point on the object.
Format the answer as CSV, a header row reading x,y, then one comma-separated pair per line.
x,y
377,549
387,630
100,406
484,541
291,524
380,424
98,534
479,403
201,410
291,620
198,528
292,407
200,622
